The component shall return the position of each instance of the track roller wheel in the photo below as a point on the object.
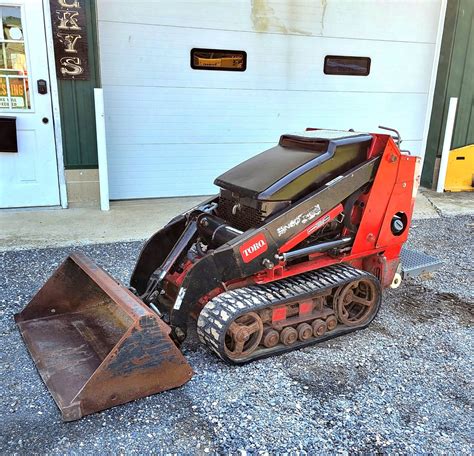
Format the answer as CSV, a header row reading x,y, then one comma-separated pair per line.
x,y
243,336
331,322
271,337
288,336
357,302
319,327
305,331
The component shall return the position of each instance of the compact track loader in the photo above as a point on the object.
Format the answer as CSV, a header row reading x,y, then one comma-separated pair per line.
x,y
295,250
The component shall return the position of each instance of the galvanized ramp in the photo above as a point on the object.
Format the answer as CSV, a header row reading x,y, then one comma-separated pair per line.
x,y
415,263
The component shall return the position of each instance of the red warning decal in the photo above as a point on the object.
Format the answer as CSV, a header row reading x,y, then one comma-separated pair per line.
x,y
253,248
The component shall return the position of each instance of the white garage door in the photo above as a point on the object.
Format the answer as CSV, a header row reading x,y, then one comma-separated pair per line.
x,y
172,129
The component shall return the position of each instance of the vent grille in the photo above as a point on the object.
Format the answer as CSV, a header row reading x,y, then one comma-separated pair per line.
x,y
244,219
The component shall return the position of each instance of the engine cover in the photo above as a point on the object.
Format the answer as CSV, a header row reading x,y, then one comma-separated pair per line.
x,y
271,181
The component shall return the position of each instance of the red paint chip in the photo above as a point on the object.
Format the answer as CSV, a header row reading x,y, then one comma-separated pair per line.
x,y
279,314
306,307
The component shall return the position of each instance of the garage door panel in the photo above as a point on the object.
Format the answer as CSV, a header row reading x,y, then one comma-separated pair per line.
x,y
171,129
172,169
296,61
166,170
251,116
383,19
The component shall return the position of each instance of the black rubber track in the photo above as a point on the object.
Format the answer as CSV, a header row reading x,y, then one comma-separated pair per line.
x,y
218,313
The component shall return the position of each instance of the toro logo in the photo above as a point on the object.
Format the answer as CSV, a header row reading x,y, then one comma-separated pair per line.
x,y
253,248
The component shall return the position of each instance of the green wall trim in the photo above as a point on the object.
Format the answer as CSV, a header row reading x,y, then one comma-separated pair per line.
x,y
76,99
454,79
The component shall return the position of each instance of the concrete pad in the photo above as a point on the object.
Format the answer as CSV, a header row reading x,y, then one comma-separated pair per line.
x,y
423,207
452,203
139,219
126,221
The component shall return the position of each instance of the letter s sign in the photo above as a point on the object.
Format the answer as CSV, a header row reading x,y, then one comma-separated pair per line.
x,y
253,248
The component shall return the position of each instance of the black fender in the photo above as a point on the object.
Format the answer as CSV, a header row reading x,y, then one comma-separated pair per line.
x,y
155,251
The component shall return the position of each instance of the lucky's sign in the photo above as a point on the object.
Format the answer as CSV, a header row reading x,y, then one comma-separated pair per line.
x,y
68,18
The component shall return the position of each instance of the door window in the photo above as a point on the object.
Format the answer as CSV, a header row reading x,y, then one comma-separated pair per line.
x,y
218,59
347,66
14,87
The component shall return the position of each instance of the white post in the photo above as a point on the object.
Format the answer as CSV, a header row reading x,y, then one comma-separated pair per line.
x,y
448,137
101,149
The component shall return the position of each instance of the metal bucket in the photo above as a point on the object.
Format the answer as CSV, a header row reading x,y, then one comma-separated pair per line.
x,y
95,344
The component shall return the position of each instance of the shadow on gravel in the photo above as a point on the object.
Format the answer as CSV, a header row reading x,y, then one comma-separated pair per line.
x,y
422,305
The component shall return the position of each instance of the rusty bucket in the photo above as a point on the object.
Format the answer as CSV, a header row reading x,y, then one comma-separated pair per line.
x,y
95,344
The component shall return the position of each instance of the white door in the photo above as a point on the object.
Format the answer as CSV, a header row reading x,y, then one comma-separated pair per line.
x,y
28,177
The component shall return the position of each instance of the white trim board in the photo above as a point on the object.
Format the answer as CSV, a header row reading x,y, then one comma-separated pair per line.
x,y
54,93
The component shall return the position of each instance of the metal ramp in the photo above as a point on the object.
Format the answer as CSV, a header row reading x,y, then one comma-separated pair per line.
x,y
415,263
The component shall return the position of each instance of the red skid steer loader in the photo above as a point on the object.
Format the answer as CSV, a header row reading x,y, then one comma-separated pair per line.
x,y
294,250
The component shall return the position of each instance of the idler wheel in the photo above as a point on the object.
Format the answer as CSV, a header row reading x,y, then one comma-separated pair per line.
x,y
271,337
288,336
355,304
243,336
319,327
305,331
331,322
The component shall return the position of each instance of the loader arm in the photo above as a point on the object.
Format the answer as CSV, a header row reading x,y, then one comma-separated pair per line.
x,y
155,251
157,248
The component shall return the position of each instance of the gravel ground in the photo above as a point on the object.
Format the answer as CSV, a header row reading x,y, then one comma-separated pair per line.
x,y
401,386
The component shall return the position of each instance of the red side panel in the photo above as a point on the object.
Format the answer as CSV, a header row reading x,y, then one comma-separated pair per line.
x,y
402,201
378,200
378,145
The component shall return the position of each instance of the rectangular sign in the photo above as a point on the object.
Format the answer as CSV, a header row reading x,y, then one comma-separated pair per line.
x,y
17,93
68,19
